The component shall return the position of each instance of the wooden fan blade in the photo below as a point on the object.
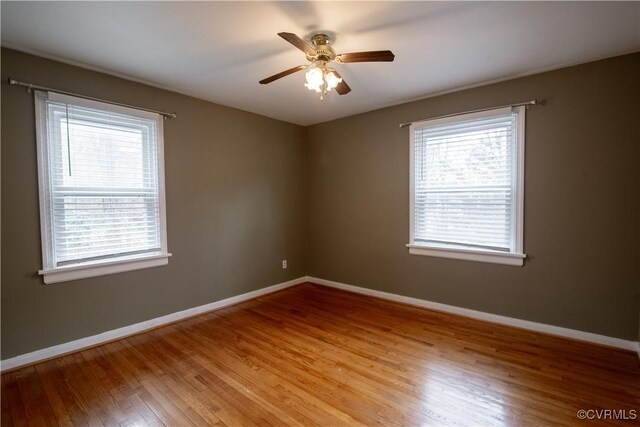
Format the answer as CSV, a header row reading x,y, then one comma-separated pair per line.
x,y
342,88
282,74
372,56
298,42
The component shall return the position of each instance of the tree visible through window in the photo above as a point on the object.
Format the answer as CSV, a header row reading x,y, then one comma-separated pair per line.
x,y
466,189
102,196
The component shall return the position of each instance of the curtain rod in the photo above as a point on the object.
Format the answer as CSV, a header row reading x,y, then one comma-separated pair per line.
x,y
526,104
31,87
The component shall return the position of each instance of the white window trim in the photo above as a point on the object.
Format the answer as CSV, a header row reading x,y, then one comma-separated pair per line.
x,y
515,258
52,274
470,255
103,268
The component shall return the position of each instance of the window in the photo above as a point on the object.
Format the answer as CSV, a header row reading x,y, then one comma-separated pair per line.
x,y
102,208
467,183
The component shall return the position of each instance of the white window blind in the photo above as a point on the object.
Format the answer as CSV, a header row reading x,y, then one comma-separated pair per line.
x,y
466,189
102,194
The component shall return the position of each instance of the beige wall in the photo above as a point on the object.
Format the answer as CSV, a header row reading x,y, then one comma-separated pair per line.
x,y
236,206
582,203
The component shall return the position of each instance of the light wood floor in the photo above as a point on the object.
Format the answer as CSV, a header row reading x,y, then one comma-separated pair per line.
x,y
311,355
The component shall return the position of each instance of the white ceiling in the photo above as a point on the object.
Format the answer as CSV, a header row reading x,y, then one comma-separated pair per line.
x,y
218,51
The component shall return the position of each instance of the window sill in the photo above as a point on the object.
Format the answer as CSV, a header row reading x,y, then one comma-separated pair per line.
x,y
469,255
75,272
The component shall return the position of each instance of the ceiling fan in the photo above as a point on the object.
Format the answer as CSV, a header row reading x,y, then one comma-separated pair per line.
x,y
319,76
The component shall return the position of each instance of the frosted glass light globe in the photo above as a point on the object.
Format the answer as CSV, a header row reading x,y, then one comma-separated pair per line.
x,y
332,80
314,77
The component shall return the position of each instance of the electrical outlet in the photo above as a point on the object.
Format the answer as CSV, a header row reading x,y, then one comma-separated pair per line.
x,y
284,264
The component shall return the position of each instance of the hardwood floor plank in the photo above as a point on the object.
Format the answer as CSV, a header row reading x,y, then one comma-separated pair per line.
x,y
38,409
149,417
57,395
84,396
185,396
234,362
15,405
322,377
273,400
316,356
6,409
376,371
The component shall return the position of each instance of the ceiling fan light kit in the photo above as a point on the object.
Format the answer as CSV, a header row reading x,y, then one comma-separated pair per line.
x,y
319,77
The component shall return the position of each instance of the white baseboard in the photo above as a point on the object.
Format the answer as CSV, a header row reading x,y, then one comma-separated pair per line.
x,y
94,340
494,318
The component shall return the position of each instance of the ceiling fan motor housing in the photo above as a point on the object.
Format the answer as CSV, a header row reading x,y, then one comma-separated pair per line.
x,y
324,52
